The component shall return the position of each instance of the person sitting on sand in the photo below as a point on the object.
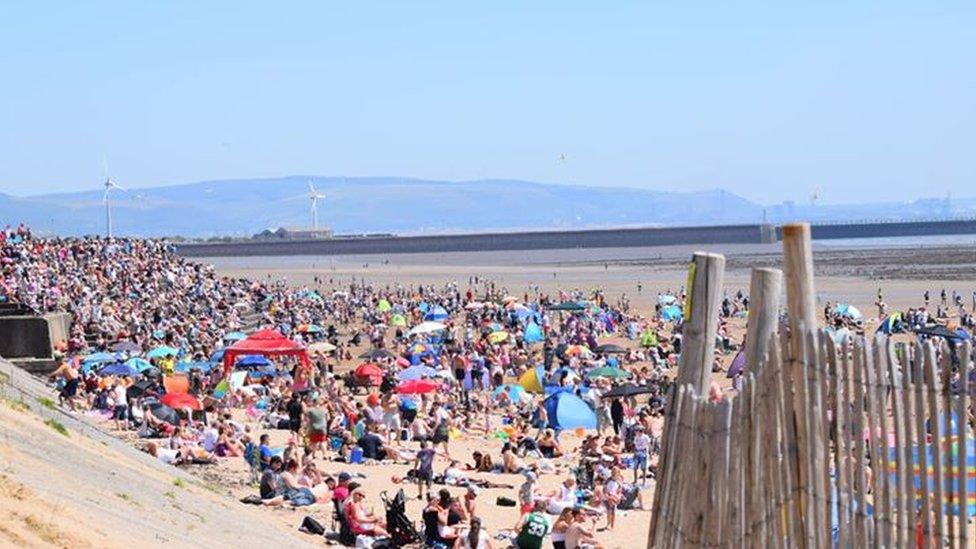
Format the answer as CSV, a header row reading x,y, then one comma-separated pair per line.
x,y
362,522
297,494
510,462
548,445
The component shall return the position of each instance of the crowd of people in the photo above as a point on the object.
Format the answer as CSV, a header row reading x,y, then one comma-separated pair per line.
x,y
471,345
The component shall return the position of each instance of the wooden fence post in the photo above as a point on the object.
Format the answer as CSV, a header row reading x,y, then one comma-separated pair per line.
x,y
765,288
798,263
701,320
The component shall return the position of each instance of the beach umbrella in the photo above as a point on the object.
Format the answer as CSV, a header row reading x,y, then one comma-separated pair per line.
x,y
162,351
253,362
436,313
568,411
531,380
576,350
139,364
100,358
138,388
322,347
376,354
416,372
126,347
533,333
609,372
398,320
567,306
628,389
671,313
369,370
235,336
418,386
164,413
738,365
497,337
383,306
609,349
428,327
193,365
515,392
118,369
178,401
217,356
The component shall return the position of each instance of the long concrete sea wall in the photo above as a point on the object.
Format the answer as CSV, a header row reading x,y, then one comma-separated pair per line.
x,y
555,240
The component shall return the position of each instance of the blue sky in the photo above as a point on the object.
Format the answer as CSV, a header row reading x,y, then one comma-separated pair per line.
x,y
771,100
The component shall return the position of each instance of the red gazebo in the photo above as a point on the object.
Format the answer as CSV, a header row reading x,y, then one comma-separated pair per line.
x,y
267,343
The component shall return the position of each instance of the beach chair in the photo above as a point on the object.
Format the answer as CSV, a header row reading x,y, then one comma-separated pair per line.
x,y
345,535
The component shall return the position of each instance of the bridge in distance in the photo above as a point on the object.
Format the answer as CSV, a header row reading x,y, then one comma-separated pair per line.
x,y
555,240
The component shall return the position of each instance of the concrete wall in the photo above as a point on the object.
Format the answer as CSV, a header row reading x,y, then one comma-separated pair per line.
x,y
32,336
542,240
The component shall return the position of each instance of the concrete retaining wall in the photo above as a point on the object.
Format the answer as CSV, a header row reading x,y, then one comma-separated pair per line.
x,y
32,336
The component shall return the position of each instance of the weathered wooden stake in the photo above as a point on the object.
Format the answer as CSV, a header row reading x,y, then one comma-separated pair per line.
x,y
765,288
798,263
701,320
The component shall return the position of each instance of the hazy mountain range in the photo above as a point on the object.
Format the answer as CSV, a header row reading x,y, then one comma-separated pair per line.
x,y
400,205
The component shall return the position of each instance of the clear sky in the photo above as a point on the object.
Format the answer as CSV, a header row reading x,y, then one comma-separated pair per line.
x,y
770,100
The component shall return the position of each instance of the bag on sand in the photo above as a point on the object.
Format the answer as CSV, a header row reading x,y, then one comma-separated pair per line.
x,y
503,501
312,526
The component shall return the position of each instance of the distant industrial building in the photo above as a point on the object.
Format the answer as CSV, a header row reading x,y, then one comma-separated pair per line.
x,y
295,233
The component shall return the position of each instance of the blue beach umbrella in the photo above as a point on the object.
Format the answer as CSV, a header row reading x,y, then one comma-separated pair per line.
x,y
139,364
118,369
162,351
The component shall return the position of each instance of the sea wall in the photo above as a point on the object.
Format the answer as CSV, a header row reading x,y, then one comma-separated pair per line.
x,y
32,336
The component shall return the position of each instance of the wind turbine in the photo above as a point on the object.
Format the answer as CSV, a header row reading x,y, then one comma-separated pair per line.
x,y
314,196
109,185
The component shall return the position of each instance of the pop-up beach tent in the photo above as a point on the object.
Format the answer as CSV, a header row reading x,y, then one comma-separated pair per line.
x,y
265,343
568,411
531,380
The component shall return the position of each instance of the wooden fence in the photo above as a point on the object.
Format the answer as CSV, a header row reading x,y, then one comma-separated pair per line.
x,y
861,442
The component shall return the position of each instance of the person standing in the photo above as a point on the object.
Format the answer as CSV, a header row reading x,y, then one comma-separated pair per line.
x,y
617,415
533,528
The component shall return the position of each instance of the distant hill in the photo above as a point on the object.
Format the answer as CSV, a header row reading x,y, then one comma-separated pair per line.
x,y
410,206
374,204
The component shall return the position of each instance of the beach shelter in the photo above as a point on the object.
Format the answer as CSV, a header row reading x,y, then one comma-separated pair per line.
x,y
436,314
576,350
383,306
648,338
178,401
398,320
531,380
941,331
515,392
177,383
848,310
568,411
322,347
497,337
533,333
738,366
671,313
891,324
418,386
266,343
950,457
416,372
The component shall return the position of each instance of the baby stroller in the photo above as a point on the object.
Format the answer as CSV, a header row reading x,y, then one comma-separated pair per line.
x,y
401,529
